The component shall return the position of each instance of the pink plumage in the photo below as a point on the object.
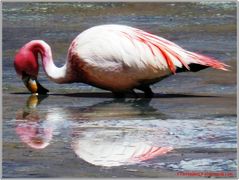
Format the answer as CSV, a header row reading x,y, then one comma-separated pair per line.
x,y
114,57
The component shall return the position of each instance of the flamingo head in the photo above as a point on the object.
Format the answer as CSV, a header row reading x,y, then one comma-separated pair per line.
x,y
26,66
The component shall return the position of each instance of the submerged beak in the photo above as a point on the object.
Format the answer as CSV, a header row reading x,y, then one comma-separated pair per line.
x,y
33,85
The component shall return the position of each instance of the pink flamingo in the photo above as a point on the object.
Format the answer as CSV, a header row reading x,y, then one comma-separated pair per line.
x,y
112,57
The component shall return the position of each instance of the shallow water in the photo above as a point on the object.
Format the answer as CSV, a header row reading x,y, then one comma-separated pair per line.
x,y
82,131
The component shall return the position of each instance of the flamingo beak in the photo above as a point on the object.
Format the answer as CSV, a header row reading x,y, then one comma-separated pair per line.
x,y
33,85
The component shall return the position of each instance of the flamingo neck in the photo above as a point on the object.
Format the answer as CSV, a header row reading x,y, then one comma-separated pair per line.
x,y
54,73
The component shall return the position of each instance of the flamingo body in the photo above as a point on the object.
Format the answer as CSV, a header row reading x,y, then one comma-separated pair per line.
x,y
111,60
116,58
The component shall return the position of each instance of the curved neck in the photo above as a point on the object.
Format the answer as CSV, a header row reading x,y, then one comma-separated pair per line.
x,y
56,74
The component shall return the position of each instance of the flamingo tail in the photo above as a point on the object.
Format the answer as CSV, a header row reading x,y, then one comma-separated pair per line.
x,y
200,62
175,55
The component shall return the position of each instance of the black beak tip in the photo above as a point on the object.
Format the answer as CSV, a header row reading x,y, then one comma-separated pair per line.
x,y
42,91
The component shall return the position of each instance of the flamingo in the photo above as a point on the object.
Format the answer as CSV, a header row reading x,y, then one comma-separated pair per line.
x,y
113,57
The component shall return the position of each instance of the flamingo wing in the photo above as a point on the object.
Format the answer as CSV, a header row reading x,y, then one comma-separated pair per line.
x,y
176,58
124,45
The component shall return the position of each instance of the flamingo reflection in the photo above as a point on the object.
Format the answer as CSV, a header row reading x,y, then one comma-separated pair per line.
x,y
114,147
94,138
30,129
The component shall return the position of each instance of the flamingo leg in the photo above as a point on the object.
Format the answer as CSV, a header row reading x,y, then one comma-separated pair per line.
x,y
147,90
119,94
123,94
134,94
